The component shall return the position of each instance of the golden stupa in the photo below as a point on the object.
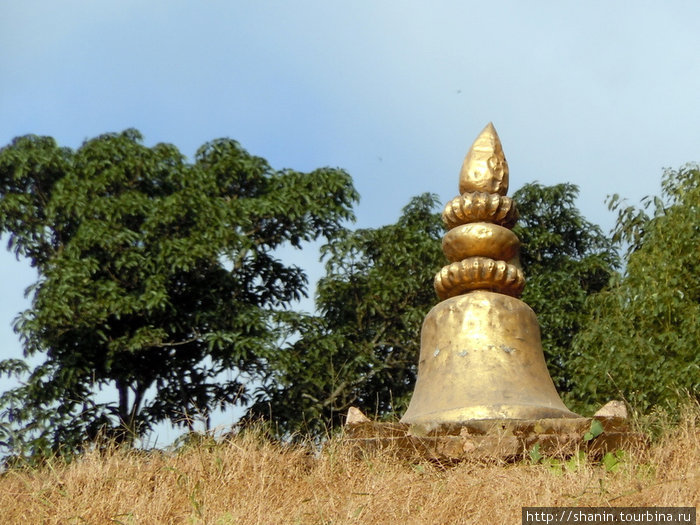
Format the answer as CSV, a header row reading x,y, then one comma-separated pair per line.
x,y
481,356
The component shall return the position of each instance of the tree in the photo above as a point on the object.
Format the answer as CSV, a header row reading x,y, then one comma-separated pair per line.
x,y
641,340
362,348
566,259
157,277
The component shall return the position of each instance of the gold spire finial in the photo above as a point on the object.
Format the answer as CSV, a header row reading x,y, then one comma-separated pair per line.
x,y
485,168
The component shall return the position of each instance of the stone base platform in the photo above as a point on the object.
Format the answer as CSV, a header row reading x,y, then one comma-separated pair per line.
x,y
510,440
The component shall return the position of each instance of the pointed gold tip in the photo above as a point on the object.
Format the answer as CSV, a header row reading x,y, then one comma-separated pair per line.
x,y
485,168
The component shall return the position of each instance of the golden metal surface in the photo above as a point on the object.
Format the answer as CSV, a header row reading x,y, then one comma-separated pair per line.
x,y
479,207
480,239
485,167
481,358
481,355
479,273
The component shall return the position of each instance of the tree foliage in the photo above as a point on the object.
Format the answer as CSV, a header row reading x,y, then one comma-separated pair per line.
x,y
641,341
157,278
566,259
362,348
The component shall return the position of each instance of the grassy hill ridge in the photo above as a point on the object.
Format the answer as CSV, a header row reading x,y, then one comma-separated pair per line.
x,y
250,479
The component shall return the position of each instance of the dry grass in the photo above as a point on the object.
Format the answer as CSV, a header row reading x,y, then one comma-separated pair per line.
x,y
251,480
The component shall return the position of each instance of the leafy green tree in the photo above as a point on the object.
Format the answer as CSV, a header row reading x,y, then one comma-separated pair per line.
x,y
566,259
641,341
362,348
157,278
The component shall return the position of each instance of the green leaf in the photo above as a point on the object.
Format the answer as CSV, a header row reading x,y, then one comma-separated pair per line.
x,y
574,462
596,429
611,461
535,454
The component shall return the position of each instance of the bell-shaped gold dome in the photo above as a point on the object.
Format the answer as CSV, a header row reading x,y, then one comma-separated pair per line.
x,y
481,355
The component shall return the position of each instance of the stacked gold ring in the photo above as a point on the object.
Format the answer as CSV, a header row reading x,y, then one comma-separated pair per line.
x,y
480,239
478,206
479,273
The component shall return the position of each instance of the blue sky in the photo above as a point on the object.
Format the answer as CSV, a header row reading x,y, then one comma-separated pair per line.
x,y
600,94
